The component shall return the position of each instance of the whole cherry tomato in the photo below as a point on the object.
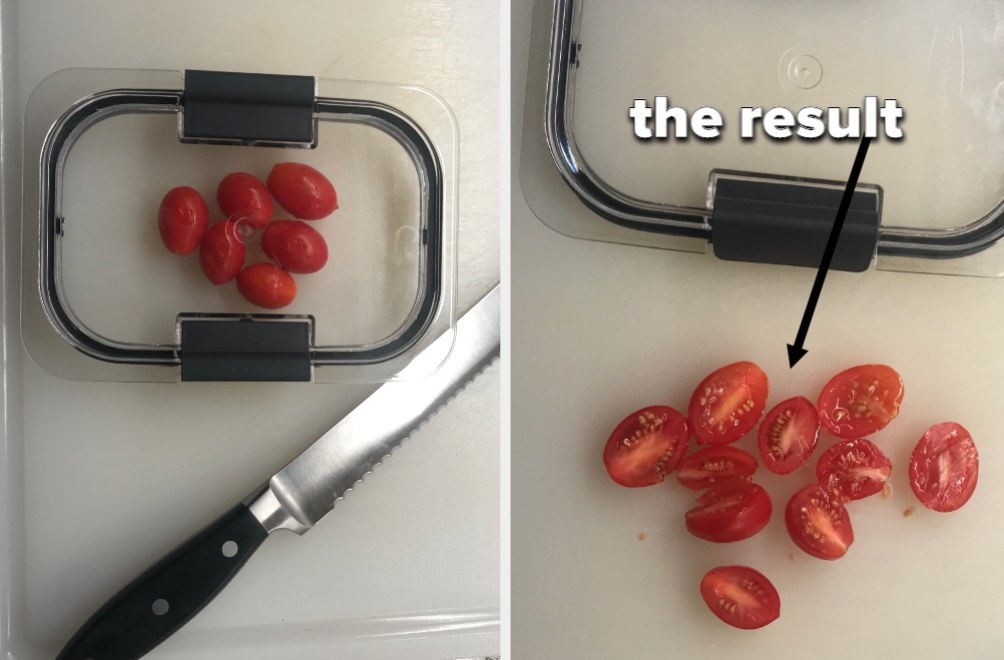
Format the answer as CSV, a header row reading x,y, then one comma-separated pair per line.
x,y
266,285
302,190
295,245
244,198
182,220
221,255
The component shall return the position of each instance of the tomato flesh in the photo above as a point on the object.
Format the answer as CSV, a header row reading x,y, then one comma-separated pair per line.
x,y
729,512
646,446
221,255
740,596
860,401
728,403
818,523
302,190
243,198
788,435
716,464
853,469
295,246
944,467
182,220
266,285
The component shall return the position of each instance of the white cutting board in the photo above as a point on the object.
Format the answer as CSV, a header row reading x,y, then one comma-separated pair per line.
x,y
103,478
600,330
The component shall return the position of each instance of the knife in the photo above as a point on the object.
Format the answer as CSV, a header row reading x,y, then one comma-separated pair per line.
x,y
161,600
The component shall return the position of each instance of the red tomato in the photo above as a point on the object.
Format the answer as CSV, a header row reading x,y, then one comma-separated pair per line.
x,y
222,252
244,198
266,285
302,190
740,596
788,435
853,469
732,511
182,220
728,403
716,464
944,467
818,523
295,246
646,446
860,401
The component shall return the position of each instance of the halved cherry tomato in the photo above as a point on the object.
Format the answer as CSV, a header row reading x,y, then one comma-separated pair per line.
x,y
944,467
861,400
266,285
646,446
729,512
182,220
716,464
244,198
788,435
818,523
853,469
295,246
302,190
222,252
728,403
740,596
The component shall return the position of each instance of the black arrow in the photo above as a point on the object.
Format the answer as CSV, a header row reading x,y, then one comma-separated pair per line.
x,y
795,351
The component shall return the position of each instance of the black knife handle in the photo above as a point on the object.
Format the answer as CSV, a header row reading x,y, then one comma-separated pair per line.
x,y
166,596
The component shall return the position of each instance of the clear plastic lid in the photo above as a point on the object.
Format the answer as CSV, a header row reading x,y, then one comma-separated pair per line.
x,y
102,297
943,184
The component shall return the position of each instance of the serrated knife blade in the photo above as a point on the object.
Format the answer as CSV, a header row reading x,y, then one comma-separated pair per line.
x,y
161,600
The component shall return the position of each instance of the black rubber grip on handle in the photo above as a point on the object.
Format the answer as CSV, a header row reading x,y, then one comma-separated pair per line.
x,y
165,597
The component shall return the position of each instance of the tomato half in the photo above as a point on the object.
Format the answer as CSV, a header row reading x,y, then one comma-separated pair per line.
x,y
729,512
715,464
861,400
222,252
243,198
740,596
818,523
182,220
853,469
944,467
266,285
646,446
788,435
728,403
302,190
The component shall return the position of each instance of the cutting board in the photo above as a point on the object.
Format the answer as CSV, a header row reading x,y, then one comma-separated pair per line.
x,y
102,478
600,330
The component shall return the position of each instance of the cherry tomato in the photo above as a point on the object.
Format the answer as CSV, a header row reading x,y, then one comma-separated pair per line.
x,y
853,470
740,596
295,246
818,523
714,465
646,446
788,435
729,512
266,285
182,220
861,400
728,403
244,198
302,190
221,254
944,467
